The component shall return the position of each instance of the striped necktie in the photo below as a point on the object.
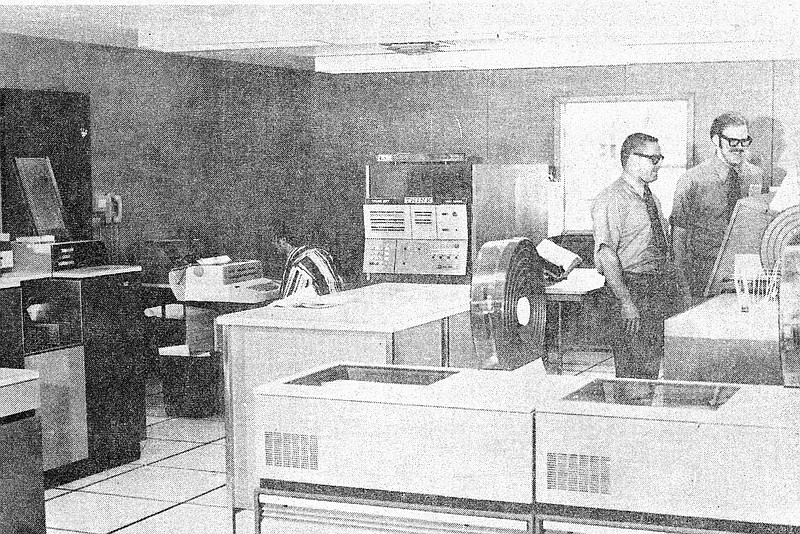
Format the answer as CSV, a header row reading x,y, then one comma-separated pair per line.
x,y
659,240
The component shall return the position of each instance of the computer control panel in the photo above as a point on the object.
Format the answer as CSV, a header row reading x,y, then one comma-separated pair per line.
x,y
415,239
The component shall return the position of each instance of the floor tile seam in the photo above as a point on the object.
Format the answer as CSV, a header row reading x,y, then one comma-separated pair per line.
x,y
139,498
185,440
595,365
224,506
175,505
190,469
65,490
197,423
136,466
157,422
192,419
196,446
163,467
165,510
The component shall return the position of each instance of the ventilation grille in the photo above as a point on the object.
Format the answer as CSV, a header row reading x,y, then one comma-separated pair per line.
x,y
295,451
578,472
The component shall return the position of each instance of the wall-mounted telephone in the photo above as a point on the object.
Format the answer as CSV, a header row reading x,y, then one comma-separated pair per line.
x,y
114,209
109,206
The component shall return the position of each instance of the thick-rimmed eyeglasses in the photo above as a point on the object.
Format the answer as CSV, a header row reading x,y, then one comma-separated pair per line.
x,y
734,142
655,159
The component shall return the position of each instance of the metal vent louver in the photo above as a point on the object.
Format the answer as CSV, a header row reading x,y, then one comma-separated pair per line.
x,y
580,473
295,451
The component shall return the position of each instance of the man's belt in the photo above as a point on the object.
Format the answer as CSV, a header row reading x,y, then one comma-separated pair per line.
x,y
648,274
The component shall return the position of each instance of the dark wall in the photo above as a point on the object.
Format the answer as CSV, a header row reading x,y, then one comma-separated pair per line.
x,y
196,148
508,116
209,149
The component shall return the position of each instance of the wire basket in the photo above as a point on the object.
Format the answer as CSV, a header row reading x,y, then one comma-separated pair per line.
x,y
755,285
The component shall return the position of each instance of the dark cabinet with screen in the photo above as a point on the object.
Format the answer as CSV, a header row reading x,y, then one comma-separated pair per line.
x,y
52,125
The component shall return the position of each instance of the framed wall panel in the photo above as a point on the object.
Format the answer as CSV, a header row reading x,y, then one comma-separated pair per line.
x,y
590,132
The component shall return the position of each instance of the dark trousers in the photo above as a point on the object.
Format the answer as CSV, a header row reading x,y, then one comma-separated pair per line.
x,y
639,355
699,274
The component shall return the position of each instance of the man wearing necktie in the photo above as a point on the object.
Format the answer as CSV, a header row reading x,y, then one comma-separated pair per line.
x,y
705,198
631,252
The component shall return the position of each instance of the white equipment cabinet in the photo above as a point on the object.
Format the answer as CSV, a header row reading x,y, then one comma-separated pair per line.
x,y
402,435
720,452
384,323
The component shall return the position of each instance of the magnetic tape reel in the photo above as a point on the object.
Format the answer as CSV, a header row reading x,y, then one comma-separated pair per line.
x,y
783,230
508,307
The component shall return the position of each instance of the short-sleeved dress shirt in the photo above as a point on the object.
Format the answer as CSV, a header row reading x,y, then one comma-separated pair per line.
x,y
701,203
621,222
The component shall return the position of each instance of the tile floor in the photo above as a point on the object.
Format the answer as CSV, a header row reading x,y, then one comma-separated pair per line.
x,y
575,362
177,486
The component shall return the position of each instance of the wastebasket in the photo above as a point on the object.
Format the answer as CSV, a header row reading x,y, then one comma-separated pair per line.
x,y
165,326
189,381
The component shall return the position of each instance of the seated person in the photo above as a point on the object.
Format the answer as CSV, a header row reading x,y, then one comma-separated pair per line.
x,y
306,268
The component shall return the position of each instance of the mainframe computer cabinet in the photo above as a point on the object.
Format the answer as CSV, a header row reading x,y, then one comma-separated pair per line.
x,y
115,368
11,355
99,345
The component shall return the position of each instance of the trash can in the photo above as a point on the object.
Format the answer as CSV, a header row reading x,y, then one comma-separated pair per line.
x,y
165,326
189,381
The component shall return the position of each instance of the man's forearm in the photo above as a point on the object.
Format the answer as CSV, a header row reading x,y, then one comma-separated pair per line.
x,y
612,270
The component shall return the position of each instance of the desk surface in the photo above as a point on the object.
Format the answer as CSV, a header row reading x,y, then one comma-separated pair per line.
x,y
578,282
15,278
98,270
716,342
386,307
19,391
391,307
721,318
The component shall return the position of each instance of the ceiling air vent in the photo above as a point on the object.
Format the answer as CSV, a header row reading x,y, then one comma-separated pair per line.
x,y
415,48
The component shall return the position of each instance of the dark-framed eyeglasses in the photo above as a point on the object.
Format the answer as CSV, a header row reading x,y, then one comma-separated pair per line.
x,y
734,142
655,159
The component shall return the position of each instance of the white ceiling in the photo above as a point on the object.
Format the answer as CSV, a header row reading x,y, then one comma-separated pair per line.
x,y
335,36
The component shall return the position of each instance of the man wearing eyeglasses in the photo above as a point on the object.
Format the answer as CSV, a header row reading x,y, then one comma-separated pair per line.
x,y
631,252
704,201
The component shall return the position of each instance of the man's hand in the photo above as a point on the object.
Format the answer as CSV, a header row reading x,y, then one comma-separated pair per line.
x,y
630,314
